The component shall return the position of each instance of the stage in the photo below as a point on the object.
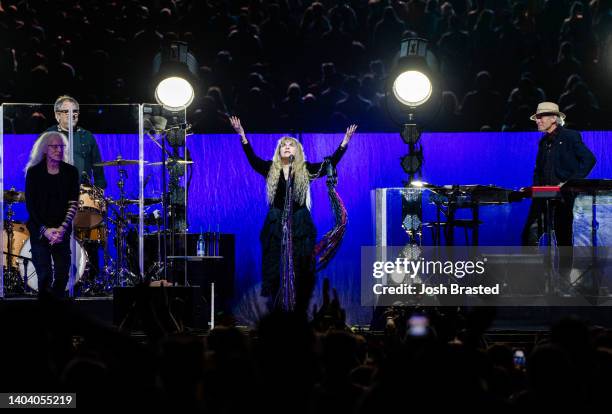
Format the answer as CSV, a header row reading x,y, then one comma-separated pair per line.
x,y
217,200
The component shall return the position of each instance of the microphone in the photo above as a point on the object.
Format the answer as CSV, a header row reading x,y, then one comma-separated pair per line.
x,y
289,180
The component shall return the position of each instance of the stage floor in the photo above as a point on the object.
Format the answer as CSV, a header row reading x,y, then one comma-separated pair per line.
x,y
525,318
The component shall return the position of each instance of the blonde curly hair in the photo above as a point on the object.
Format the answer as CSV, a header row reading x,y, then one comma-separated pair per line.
x,y
299,173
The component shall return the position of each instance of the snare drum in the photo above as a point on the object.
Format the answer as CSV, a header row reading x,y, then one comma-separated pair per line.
x,y
20,236
26,251
92,207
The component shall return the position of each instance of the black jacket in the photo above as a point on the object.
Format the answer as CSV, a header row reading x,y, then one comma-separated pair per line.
x,y
37,195
572,159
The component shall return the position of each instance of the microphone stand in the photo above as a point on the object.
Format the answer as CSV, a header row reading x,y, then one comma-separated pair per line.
x,y
166,208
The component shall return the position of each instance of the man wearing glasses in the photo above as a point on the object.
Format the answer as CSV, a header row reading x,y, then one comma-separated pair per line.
x,y
86,153
562,156
52,193
86,150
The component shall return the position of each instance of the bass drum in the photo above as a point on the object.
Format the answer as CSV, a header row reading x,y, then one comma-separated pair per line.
x,y
26,251
20,237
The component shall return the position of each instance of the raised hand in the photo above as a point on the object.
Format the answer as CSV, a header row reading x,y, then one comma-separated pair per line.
x,y
235,121
330,315
349,134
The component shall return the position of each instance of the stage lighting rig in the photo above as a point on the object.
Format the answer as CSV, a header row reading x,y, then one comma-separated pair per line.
x,y
414,90
413,85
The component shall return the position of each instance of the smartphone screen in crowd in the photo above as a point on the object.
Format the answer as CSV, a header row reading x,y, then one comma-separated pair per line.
x,y
519,358
417,325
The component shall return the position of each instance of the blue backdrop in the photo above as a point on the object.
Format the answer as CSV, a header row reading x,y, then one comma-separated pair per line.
x,y
225,192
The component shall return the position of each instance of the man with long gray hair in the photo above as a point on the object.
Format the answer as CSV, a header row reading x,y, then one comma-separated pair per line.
x,y
52,194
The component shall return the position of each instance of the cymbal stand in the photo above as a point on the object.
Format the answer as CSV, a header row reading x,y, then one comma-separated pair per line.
x,y
104,281
12,273
123,276
155,271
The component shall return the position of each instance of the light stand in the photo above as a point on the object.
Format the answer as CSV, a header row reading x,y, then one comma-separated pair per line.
x,y
412,163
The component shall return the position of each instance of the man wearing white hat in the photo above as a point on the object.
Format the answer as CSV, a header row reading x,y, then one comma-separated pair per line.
x,y
562,156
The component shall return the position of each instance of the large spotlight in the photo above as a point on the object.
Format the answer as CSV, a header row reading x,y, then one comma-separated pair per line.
x,y
412,88
174,76
174,93
413,73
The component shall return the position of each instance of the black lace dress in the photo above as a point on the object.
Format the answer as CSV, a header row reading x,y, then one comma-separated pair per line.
x,y
303,232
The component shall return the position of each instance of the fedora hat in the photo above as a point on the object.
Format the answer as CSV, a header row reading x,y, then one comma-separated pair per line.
x,y
547,108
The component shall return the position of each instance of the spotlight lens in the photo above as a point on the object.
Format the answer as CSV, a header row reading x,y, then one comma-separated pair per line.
x,y
174,93
412,88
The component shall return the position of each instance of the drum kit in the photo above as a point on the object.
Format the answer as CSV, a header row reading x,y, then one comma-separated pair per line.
x,y
99,220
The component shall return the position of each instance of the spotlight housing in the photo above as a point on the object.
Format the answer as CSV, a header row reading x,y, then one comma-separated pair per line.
x,y
413,75
175,76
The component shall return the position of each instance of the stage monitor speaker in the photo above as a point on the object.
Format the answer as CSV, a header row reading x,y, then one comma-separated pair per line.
x,y
199,273
517,274
221,272
132,306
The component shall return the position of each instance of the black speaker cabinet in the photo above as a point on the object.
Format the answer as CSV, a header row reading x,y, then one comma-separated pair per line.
x,y
221,272
517,274
192,273
135,306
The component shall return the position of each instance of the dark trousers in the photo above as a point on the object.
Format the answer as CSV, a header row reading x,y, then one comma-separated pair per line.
x,y
52,264
563,220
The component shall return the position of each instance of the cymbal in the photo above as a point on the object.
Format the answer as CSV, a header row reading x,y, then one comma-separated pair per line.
x,y
116,163
170,162
147,201
148,219
12,196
